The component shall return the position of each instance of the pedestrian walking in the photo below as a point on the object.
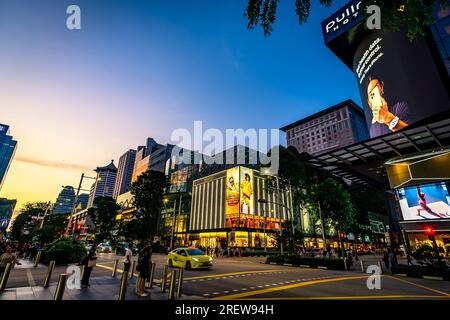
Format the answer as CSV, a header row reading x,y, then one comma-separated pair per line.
x,y
7,257
89,263
386,259
409,258
143,267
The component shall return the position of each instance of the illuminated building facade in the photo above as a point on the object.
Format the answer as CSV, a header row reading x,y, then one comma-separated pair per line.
x,y
225,210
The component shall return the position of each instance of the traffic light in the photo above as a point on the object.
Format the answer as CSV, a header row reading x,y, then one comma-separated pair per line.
x,y
429,230
78,228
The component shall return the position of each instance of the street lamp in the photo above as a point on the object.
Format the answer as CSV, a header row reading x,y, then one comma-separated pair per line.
x,y
74,206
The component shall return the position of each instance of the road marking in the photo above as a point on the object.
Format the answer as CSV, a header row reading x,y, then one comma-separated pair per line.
x,y
233,274
289,286
31,281
109,268
421,286
374,297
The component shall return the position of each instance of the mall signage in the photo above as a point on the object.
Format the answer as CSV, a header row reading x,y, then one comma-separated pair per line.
x,y
343,20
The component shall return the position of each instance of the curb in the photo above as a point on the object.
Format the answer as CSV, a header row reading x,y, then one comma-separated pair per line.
x,y
324,268
433,278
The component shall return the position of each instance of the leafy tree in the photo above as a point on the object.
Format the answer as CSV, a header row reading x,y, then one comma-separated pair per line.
x,y
365,199
330,202
24,224
103,216
148,192
417,14
53,227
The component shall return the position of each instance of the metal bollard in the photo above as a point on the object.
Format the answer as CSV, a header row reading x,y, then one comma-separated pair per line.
x,y
379,266
180,282
51,266
133,266
116,263
173,279
5,276
38,258
152,274
362,266
123,286
164,279
59,292
83,268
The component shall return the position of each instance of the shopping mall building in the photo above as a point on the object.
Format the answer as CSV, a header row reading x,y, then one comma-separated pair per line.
x,y
404,87
237,208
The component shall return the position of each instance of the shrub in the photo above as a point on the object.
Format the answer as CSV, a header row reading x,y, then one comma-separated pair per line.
x,y
64,252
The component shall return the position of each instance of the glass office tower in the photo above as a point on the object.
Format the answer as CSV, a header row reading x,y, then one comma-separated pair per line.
x,y
7,150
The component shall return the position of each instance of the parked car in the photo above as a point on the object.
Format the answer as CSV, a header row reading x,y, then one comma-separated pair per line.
x,y
104,248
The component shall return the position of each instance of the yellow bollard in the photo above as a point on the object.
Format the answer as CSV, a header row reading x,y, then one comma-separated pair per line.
x,y
38,258
123,286
5,276
164,279
152,274
48,277
133,266
180,282
116,263
59,292
173,279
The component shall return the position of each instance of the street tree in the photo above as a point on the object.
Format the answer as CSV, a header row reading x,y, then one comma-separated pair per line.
x,y
53,227
24,224
330,203
148,192
103,215
416,14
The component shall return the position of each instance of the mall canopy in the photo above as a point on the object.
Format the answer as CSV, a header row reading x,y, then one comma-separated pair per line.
x,y
365,162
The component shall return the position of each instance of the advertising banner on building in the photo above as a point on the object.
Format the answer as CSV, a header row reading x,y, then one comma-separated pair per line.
x,y
425,202
398,80
247,199
232,192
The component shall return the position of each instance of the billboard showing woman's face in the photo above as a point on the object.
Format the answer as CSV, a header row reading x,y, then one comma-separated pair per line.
x,y
399,81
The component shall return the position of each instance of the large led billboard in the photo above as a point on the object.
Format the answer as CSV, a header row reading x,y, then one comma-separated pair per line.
x,y
425,202
239,191
398,80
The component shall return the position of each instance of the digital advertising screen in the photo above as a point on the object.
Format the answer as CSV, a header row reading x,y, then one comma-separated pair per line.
x,y
398,80
246,202
425,202
232,191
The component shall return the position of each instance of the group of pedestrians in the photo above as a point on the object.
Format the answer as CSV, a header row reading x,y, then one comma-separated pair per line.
x,y
8,254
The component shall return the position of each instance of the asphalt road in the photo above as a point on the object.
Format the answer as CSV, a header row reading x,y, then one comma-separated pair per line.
x,y
248,278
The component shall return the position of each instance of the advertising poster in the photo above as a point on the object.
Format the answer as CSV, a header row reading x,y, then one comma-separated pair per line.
x,y
398,80
232,191
246,203
425,202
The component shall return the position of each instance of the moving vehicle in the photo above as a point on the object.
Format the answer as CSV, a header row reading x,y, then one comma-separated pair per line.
x,y
189,259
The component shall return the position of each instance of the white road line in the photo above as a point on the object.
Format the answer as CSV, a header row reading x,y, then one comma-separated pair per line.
x,y
206,294
251,288
260,286
235,290
216,293
226,292
31,281
244,289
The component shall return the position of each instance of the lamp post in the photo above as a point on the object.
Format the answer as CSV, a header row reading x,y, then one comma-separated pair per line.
x,y
74,206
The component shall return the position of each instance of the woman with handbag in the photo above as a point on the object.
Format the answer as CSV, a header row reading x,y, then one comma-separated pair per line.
x,y
89,263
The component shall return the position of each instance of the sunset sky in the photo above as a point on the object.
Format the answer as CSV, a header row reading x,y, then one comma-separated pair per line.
x,y
77,99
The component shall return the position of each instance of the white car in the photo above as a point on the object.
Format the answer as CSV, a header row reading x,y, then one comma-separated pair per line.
x,y
104,248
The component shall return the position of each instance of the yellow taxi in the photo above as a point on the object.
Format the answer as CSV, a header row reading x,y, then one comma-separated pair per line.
x,y
189,258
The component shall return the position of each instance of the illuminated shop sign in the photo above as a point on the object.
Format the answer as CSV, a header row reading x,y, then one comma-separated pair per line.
x,y
343,20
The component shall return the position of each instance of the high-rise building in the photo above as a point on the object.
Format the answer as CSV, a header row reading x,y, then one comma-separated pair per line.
x,y
124,173
65,200
82,202
7,150
6,211
153,156
340,125
104,183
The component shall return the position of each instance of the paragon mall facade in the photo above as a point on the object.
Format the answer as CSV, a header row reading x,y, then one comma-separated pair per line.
x,y
404,86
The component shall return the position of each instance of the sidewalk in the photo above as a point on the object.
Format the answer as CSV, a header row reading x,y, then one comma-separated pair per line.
x,y
102,288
